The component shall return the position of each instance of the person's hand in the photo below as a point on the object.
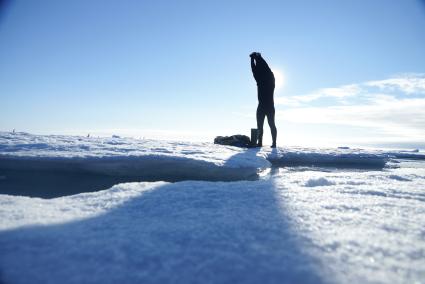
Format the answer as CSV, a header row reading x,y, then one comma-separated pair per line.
x,y
255,55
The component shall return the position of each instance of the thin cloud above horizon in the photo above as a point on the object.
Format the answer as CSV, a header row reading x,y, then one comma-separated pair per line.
x,y
393,108
409,83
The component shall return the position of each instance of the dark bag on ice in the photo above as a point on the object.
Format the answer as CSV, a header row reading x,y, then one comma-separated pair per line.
x,y
234,140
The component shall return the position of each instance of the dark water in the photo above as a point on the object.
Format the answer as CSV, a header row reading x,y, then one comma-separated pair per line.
x,y
50,184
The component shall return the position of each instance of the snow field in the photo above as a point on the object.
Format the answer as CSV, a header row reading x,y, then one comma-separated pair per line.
x,y
360,219
307,226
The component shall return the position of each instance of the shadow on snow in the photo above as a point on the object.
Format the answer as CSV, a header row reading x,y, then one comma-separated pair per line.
x,y
186,232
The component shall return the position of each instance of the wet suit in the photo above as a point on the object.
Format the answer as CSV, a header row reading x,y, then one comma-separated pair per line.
x,y
265,84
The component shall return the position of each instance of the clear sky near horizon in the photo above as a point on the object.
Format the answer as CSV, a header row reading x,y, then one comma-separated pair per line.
x,y
348,72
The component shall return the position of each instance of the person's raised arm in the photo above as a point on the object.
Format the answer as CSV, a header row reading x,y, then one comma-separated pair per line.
x,y
253,66
263,62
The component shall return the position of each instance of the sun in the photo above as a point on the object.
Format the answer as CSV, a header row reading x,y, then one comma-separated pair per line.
x,y
279,78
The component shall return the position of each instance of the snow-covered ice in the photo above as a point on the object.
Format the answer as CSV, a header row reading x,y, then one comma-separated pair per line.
x,y
358,227
336,157
302,223
146,159
171,161
56,165
369,226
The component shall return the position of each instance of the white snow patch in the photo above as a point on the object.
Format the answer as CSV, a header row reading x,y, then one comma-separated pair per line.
x,y
367,226
21,210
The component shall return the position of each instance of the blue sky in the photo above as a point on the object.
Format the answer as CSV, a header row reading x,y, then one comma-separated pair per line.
x,y
351,72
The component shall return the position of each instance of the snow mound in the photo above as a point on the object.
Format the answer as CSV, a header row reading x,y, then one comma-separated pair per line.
x,y
340,157
318,182
127,157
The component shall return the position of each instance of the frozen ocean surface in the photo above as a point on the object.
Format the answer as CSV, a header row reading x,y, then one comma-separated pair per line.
x,y
146,159
322,216
56,165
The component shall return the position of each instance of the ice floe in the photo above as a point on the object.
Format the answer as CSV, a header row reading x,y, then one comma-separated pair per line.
x,y
336,157
145,159
152,159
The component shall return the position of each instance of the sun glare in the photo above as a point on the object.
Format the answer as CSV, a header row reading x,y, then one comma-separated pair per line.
x,y
279,78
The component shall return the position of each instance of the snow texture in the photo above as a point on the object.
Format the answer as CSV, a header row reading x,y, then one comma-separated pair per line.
x,y
187,232
318,182
353,221
351,227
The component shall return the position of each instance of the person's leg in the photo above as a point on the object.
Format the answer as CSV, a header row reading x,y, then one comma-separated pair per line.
x,y
260,122
270,120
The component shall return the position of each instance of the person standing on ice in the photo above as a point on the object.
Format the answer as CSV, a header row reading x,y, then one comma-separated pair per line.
x,y
265,86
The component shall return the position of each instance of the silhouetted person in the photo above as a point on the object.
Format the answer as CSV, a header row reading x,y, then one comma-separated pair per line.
x,y
265,85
